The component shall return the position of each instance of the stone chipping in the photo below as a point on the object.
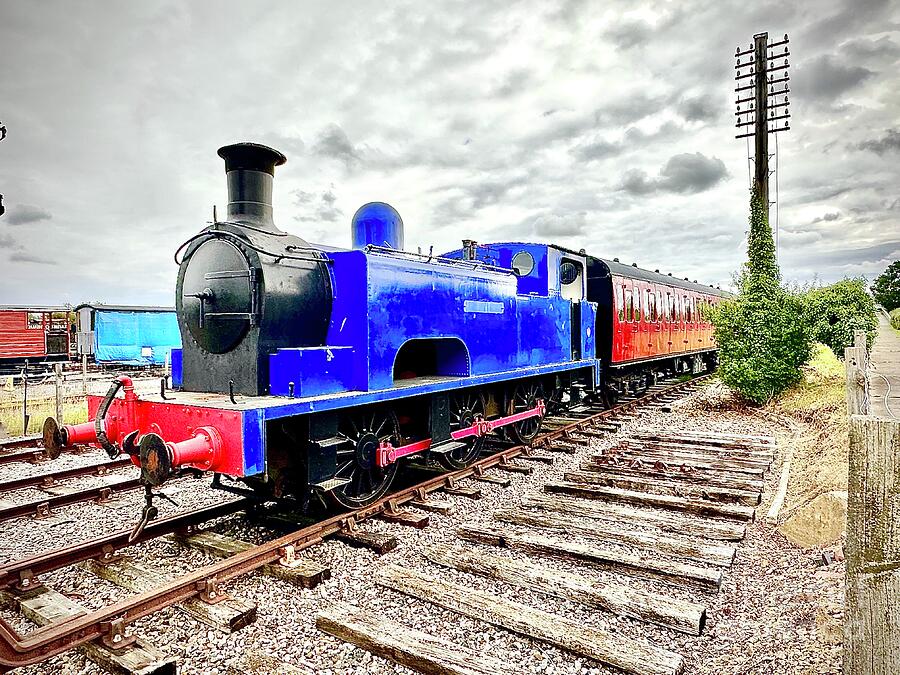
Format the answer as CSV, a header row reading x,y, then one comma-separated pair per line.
x,y
775,613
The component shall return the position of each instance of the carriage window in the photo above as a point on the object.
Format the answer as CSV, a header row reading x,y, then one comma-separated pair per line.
x,y
522,264
629,305
620,302
636,314
35,320
660,310
688,309
670,307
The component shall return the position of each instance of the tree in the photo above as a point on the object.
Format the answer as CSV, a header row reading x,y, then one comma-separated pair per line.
x,y
761,334
834,312
886,287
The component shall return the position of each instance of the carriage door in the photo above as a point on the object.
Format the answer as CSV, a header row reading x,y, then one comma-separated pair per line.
x,y
571,287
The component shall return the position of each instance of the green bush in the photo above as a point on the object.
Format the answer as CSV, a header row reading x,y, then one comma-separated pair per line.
x,y
834,312
762,338
895,318
886,287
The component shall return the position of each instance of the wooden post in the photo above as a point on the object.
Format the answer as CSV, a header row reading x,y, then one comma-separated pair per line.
x,y
59,406
854,360
25,399
761,129
872,614
84,374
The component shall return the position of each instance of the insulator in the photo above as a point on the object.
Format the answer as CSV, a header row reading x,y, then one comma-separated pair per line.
x,y
785,49
785,37
737,50
785,62
739,107
751,105
772,89
785,98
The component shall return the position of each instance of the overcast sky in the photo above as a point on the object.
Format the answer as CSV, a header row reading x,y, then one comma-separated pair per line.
x,y
598,124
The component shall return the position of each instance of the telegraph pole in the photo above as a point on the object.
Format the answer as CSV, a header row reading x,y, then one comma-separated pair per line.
x,y
758,104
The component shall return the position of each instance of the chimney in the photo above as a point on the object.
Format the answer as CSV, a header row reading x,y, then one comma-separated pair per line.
x,y
470,246
249,171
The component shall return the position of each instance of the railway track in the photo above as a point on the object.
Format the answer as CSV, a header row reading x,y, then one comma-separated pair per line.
x,y
61,485
684,485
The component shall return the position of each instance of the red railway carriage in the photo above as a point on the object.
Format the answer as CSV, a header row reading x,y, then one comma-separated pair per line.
x,y
36,334
649,324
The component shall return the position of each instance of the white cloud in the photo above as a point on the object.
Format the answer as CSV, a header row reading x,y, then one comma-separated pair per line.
x,y
472,119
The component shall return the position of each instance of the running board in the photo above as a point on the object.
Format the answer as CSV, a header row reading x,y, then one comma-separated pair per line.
x,y
447,446
330,484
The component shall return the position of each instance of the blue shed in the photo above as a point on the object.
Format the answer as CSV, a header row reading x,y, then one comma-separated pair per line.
x,y
127,335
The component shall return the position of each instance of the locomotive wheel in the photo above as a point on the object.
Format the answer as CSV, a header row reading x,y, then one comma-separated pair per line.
x,y
464,407
368,482
525,397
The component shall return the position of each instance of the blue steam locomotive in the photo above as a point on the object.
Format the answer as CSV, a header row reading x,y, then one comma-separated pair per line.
x,y
310,371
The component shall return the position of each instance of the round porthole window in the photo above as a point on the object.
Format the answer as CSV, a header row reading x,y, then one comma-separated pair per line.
x,y
522,263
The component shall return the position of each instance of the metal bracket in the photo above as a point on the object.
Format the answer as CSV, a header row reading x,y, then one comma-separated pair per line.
x,y
104,495
42,510
114,637
392,507
109,555
289,557
349,524
27,582
210,593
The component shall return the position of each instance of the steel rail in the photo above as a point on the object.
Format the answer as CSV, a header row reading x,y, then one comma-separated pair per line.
x,y
15,573
20,442
12,450
44,507
54,478
35,454
17,650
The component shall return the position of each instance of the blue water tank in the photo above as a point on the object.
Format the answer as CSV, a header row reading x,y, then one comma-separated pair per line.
x,y
379,224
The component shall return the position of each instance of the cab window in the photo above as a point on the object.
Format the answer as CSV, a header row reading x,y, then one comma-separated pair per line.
x,y
571,281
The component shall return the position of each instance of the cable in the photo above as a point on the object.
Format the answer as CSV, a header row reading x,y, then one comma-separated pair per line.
x,y
749,173
777,201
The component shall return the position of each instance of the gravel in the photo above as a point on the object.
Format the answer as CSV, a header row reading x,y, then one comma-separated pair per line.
x,y
763,620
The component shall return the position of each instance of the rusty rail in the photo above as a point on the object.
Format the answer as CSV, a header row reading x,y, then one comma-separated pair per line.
x,y
55,477
17,650
42,508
